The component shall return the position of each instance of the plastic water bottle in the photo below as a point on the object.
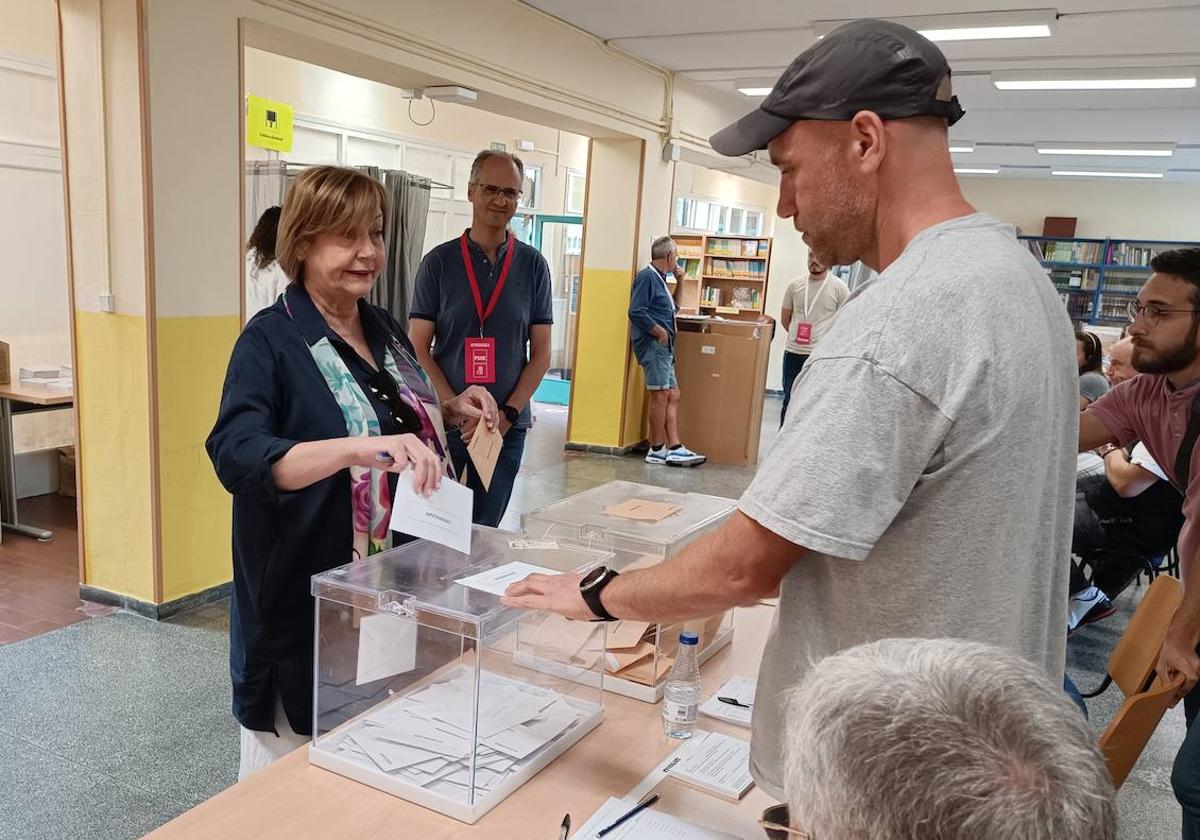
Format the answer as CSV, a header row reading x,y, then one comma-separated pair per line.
x,y
681,698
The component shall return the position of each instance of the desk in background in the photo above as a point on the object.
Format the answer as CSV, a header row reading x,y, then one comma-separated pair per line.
x,y
19,399
292,800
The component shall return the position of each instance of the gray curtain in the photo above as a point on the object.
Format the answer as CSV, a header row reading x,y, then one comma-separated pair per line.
x,y
409,198
266,184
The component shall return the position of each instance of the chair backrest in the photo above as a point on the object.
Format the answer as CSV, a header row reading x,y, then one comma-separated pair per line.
x,y
1128,732
1132,662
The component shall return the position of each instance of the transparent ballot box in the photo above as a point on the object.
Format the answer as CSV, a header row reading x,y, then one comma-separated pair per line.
x,y
418,690
642,525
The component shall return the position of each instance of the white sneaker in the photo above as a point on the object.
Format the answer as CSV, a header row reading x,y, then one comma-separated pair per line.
x,y
1087,606
657,456
684,457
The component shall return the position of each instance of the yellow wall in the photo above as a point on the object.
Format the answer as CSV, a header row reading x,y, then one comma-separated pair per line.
x,y
114,445
195,507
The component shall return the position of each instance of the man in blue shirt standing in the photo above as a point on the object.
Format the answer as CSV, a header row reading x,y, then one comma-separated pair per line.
x,y
481,315
652,330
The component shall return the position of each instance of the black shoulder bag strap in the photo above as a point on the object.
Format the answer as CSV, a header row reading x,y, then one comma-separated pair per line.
x,y
1183,459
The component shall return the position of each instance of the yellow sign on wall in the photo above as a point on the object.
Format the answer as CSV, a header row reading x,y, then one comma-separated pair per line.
x,y
268,124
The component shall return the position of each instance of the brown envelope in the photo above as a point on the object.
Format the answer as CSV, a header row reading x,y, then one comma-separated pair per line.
x,y
618,661
642,510
484,450
626,634
643,672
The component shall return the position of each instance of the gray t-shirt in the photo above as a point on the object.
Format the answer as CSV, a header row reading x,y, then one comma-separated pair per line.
x,y
1093,385
928,464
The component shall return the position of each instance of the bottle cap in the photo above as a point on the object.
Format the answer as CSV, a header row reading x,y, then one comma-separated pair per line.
x,y
689,639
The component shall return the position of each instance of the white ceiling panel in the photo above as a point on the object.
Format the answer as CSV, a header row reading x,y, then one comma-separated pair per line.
x,y
717,42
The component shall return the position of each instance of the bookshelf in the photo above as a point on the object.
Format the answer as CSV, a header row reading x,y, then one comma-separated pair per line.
x,y
1096,278
724,275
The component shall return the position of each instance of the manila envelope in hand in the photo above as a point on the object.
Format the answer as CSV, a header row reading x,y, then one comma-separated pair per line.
x,y
484,450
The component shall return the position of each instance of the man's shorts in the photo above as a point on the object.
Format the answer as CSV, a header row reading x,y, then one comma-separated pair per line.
x,y
658,362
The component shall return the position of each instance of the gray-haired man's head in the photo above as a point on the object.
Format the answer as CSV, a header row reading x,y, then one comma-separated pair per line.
x,y
944,740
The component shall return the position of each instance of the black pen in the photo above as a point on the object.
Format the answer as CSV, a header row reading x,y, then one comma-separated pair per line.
x,y
637,809
733,701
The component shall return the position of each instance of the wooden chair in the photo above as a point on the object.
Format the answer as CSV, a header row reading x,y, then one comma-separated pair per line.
x,y
1131,667
1129,731
1131,664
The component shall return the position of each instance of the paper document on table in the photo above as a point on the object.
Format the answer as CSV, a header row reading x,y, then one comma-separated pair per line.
x,y
387,645
444,517
497,580
648,825
716,763
740,689
484,450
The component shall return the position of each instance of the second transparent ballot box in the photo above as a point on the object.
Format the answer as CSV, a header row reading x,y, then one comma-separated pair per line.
x,y
418,687
642,525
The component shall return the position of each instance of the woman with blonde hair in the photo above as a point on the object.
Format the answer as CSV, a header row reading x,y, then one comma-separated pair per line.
x,y
324,409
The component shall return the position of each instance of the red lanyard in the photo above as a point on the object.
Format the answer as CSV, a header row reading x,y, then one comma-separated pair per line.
x,y
508,258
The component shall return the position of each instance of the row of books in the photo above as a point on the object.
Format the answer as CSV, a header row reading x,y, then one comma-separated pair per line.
x,y
1122,253
737,268
1113,309
1080,252
1079,307
742,297
738,247
1074,278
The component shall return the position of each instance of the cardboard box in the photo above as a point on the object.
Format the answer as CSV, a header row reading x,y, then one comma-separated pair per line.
x,y
5,376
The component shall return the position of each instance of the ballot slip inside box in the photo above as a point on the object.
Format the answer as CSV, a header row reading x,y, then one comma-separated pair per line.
x,y
420,690
642,525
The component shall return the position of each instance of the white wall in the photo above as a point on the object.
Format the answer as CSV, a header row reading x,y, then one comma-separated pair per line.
x,y
354,102
1117,209
35,316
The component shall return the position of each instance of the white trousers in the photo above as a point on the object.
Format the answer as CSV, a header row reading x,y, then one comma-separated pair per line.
x,y
262,748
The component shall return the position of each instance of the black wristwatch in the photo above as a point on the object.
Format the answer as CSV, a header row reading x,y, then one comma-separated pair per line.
x,y
591,586
510,414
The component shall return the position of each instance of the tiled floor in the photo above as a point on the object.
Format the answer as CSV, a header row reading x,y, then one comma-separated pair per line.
x,y
39,582
115,725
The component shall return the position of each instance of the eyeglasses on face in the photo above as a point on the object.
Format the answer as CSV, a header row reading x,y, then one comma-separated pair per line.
x,y
776,821
491,191
1153,312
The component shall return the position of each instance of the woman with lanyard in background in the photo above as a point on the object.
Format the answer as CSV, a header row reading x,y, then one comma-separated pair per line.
x,y
818,306
324,406
481,315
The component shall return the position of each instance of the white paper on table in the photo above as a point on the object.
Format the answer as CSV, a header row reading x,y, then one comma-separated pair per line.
x,y
387,754
716,762
444,517
533,545
424,735
498,579
648,825
387,645
740,689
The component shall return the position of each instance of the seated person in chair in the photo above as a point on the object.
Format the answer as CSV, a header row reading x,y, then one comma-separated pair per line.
x,y
1124,517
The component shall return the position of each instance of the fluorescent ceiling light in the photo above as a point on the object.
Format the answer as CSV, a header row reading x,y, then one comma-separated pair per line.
x,y
961,148
1109,149
971,26
980,170
754,91
1082,174
985,33
1153,78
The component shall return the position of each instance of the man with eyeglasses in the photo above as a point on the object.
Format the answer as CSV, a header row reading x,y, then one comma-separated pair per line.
x,y
481,315
1162,409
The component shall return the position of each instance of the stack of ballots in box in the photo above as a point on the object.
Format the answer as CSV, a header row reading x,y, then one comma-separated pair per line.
x,y
425,737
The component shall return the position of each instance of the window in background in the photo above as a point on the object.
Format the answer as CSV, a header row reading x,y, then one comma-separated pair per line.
x,y
531,189
698,215
576,191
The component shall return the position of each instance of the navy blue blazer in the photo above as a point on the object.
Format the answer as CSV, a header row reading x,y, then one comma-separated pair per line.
x,y
275,397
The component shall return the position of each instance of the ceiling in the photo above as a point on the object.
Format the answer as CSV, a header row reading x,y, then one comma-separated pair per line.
x,y
719,42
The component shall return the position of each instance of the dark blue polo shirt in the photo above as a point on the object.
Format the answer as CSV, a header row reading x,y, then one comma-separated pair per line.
x,y
443,295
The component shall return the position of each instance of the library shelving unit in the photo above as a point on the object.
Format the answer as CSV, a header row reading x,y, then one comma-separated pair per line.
x,y
724,275
1096,278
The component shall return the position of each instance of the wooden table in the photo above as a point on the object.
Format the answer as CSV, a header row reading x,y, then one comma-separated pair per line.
x,y
292,800
25,397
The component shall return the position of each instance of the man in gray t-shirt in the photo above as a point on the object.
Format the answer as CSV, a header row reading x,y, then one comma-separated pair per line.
x,y
927,463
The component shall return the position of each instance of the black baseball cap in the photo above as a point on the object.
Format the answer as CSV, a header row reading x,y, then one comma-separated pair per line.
x,y
864,65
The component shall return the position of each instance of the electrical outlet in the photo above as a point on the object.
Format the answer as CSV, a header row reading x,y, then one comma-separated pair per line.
x,y
105,302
